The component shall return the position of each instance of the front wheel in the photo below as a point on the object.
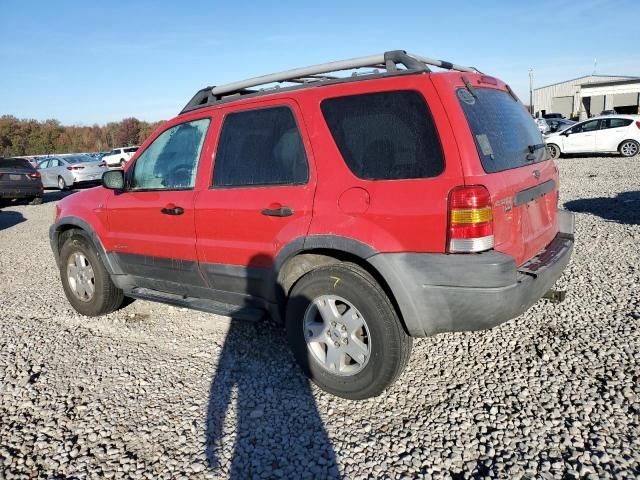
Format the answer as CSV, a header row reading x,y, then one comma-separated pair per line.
x,y
554,151
122,163
86,282
345,333
629,148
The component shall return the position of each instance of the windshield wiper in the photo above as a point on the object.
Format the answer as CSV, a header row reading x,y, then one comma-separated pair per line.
x,y
532,148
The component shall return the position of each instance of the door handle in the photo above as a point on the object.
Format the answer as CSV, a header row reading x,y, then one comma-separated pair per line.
x,y
278,212
172,209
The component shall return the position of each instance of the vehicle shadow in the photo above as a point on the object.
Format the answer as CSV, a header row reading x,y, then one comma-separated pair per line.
x,y
277,430
9,218
55,195
623,208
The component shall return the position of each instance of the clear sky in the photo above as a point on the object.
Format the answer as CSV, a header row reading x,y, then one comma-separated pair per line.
x,y
85,62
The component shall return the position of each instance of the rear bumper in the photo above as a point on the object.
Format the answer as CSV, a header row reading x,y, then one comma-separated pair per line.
x,y
87,178
447,293
21,191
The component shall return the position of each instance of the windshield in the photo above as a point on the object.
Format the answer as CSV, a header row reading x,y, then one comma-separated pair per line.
x,y
79,159
505,134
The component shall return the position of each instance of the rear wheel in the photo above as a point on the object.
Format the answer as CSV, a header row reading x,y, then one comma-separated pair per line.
x,y
345,333
85,280
629,148
62,184
554,151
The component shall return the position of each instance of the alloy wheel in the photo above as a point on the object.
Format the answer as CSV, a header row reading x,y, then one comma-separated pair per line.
x,y
80,275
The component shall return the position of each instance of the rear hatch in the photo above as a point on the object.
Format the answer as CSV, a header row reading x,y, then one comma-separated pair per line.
x,y
508,157
17,174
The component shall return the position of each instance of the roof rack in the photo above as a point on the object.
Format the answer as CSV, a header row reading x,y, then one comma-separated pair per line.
x,y
388,61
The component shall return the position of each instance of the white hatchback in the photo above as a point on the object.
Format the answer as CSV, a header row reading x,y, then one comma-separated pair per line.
x,y
606,134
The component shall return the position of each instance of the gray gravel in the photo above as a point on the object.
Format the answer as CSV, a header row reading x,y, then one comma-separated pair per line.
x,y
154,391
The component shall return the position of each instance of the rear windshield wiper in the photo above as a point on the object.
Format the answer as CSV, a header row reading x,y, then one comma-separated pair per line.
x,y
532,148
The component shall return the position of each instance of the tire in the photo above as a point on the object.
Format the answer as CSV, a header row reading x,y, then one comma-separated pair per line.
x,y
122,163
62,184
554,151
35,201
106,297
629,148
348,288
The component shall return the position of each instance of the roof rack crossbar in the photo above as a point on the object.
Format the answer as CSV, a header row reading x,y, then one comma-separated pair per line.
x,y
387,60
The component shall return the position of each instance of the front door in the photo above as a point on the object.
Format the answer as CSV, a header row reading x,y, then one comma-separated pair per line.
x,y
582,137
151,223
260,198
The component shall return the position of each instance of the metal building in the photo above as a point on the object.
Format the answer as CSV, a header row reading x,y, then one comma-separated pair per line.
x,y
587,96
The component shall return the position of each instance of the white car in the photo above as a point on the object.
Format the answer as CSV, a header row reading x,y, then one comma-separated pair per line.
x,y
608,134
119,156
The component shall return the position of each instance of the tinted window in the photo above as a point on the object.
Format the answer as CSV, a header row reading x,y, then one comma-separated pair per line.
x,y
502,129
15,163
115,151
589,126
171,161
385,135
44,164
260,147
130,150
615,123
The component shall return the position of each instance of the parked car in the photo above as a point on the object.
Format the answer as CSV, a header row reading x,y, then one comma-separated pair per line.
x,y
609,134
18,179
542,124
71,170
559,124
360,211
608,112
547,116
118,157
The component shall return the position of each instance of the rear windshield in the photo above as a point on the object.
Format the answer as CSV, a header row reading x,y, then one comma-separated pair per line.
x,y
15,163
503,130
130,150
79,159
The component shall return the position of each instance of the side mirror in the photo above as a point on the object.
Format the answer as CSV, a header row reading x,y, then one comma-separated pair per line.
x,y
113,180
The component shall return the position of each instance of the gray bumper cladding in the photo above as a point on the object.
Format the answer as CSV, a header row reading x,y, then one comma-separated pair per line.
x,y
448,293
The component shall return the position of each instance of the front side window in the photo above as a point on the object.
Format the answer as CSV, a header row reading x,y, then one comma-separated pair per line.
x,y
589,126
385,135
260,147
171,161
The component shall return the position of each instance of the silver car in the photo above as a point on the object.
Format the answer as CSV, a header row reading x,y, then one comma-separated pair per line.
x,y
67,171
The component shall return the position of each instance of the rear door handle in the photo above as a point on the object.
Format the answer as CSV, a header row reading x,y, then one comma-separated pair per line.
x,y
172,209
278,212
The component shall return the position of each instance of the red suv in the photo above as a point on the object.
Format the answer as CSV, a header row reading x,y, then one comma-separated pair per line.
x,y
360,210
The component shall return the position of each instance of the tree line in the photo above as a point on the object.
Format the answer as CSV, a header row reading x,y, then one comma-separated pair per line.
x,y
32,137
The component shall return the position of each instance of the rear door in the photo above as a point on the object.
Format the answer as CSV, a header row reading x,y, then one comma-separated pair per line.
x,y
581,138
260,195
507,156
612,132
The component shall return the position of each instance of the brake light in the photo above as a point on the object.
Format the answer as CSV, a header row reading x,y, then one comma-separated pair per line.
x,y
489,80
638,124
470,220
34,175
75,168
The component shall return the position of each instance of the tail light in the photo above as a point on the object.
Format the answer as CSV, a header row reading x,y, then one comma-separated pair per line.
x,y
34,175
470,220
75,168
638,124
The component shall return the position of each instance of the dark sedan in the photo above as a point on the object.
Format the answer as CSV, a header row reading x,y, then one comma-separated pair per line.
x,y
19,179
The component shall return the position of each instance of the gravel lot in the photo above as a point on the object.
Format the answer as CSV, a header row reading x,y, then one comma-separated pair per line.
x,y
154,391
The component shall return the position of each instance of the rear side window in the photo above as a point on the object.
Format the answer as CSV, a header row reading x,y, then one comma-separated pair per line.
x,y
15,163
615,123
502,129
385,135
130,150
260,147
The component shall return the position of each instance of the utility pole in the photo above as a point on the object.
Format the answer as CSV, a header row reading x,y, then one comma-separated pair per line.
x,y
531,110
